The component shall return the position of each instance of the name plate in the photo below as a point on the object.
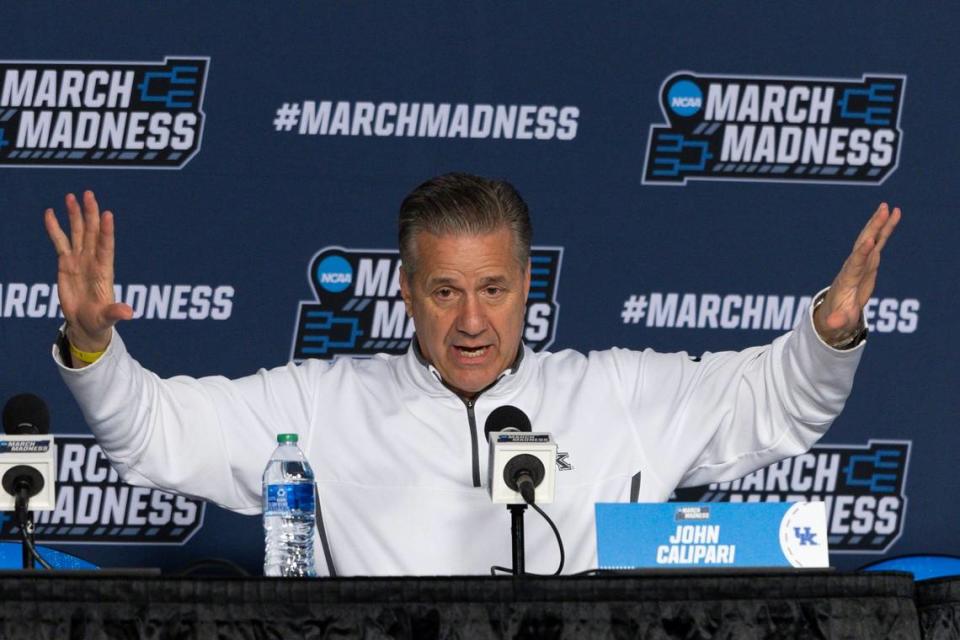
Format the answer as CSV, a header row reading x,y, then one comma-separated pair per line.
x,y
711,534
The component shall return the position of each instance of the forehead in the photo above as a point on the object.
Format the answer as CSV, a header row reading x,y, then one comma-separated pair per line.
x,y
453,254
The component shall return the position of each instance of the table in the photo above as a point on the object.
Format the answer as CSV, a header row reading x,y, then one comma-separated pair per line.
x,y
40,605
938,606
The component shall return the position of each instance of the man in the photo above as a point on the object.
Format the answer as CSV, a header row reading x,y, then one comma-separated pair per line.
x,y
396,441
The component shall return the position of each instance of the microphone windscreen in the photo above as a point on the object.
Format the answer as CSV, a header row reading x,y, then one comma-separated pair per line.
x,y
26,414
506,418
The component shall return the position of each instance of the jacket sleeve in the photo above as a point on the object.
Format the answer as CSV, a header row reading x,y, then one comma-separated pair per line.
x,y
724,415
206,437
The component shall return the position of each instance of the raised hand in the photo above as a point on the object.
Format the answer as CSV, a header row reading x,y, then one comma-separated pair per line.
x,y
837,320
85,273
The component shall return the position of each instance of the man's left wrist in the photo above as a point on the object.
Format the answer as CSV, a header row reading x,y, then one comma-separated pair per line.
x,y
851,340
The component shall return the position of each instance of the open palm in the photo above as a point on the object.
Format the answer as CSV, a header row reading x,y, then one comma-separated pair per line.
x,y
85,273
838,319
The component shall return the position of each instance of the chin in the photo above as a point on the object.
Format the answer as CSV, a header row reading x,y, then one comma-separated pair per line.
x,y
473,384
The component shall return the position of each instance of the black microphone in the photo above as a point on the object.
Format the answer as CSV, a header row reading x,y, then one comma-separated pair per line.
x,y
524,473
28,457
506,418
25,414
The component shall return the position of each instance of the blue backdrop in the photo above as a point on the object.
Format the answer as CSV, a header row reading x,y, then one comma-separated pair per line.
x,y
245,138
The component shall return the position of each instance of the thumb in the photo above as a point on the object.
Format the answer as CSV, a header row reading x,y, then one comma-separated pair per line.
x,y
118,311
836,320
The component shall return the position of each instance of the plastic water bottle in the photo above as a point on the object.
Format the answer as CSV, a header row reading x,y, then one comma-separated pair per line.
x,y
289,511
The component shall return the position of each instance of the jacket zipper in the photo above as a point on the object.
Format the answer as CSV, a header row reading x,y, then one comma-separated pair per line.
x,y
472,419
471,416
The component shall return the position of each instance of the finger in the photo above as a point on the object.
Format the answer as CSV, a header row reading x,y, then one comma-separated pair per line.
x,y
866,288
117,311
887,230
856,263
876,220
59,239
866,241
91,220
76,223
869,279
105,241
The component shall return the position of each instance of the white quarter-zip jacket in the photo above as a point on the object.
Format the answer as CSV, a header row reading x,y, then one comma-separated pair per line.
x,y
400,460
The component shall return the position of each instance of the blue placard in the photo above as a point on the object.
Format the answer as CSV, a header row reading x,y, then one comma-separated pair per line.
x,y
694,535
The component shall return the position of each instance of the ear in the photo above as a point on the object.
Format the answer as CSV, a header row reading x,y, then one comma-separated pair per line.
x,y
526,281
406,291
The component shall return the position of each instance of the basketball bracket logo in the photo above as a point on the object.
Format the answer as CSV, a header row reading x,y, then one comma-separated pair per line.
x,y
94,506
101,114
862,486
770,128
358,310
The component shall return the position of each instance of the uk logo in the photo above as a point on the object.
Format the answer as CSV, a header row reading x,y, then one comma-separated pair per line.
x,y
806,536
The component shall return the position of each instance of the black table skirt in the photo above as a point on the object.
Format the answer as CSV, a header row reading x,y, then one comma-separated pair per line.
x,y
736,606
938,606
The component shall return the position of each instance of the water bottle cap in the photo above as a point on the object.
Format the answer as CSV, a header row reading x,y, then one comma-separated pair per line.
x,y
286,437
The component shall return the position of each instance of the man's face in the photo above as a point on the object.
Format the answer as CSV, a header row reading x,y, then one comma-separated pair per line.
x,y
468,299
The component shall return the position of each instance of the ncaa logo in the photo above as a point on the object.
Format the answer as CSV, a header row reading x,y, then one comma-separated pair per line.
x,y
685,98
357,308
776,128
334,274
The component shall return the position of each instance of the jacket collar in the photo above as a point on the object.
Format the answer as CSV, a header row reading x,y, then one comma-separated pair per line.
x,y
427,378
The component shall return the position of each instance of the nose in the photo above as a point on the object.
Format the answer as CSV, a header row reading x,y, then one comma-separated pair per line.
x,y
472,319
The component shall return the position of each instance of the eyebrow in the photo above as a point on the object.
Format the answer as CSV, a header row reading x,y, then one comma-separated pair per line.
x,y
488,280
440,280
449,281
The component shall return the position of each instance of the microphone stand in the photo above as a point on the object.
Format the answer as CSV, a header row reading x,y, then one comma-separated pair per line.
x,y
25,520
23,482
516,537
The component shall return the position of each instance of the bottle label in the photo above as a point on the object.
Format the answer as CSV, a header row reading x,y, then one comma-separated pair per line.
x,y
290,497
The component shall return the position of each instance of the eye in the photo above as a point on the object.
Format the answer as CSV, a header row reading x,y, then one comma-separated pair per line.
x,y
444,293
493,291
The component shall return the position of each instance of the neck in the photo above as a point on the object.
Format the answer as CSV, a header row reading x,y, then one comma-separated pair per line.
x,y
466,396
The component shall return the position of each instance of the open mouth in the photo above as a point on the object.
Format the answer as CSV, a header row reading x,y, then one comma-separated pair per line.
x,y
472,352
